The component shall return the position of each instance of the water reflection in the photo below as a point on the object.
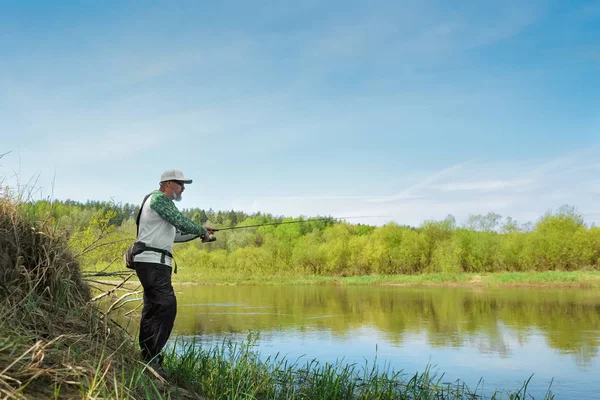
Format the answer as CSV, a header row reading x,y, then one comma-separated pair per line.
x,y
569,320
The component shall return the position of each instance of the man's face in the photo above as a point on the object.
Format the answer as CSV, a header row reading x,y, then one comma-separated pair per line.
x,y
177,187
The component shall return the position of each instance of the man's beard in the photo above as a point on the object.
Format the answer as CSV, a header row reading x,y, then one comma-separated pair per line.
x,y
177,197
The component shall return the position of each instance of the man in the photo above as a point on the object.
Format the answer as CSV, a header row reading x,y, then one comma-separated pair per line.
x,y
161,224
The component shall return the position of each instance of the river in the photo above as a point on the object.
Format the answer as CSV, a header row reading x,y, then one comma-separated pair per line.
x,y
499,335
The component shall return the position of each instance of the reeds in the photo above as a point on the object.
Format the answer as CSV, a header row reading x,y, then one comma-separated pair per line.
x,y
235,371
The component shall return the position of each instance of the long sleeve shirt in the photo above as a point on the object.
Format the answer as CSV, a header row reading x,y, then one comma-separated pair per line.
x,y
161,224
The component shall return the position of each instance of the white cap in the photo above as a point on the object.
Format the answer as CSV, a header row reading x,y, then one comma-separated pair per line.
x,y
174,175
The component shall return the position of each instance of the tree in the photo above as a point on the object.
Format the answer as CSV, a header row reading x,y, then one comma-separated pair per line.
x,y
483,223
509,226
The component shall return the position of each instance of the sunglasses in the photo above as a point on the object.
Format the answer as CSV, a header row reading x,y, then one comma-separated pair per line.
x,y
179,183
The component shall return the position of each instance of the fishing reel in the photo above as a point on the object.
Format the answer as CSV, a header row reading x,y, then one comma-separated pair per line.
x,y
208,239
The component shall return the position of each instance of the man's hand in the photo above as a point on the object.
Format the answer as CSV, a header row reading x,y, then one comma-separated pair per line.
x,y
207,236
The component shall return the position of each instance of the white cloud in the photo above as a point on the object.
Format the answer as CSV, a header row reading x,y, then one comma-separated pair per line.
x,y
409,193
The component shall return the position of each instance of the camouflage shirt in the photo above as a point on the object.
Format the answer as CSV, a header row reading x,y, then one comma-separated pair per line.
x,y
161,224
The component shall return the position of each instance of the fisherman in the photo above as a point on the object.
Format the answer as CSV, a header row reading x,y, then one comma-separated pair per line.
x,y
161,224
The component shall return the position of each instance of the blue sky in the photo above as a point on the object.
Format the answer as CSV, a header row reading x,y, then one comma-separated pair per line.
x,y
407,110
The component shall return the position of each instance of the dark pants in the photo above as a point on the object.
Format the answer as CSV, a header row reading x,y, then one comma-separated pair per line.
x,y
160,308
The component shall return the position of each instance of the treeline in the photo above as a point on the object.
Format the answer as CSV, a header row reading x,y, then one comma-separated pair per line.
x,y
558,241
73,216
484,243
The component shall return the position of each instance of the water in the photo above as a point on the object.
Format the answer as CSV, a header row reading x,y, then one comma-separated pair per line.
x,y
502,336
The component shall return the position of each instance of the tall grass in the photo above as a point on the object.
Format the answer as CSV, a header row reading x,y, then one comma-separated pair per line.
x,y
235,371
54,343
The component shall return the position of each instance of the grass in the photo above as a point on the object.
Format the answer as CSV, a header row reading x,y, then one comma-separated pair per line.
x,y
571,278
55,343
234,371
576,279
548,278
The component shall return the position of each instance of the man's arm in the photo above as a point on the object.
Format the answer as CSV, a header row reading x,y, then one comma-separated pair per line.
x,y
182,238
164,207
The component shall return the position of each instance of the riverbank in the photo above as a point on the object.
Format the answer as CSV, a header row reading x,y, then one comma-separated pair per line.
x,y
575,279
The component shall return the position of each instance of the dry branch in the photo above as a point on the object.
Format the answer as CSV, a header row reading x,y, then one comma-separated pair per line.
x,y
111,291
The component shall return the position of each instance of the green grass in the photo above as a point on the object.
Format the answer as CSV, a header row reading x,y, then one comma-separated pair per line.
x,y
564,278
235,371
590,279
550,278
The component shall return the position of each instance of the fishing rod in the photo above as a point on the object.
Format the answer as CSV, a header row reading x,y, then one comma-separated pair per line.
x,y
289,222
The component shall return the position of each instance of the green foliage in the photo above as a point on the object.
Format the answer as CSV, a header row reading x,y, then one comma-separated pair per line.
x,y
483,223
100,244
236,371
309,255
100,232
512,247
